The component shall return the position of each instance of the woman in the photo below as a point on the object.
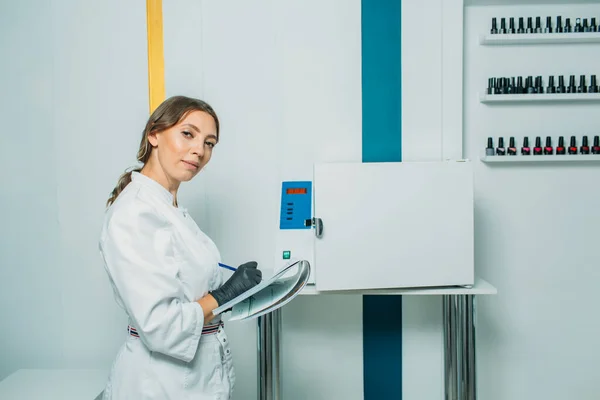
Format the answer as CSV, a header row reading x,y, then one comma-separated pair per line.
x,y
164,269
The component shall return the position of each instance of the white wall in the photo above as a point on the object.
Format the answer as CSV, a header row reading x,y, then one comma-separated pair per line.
x,y
287,96
279,87
536,225
273,82
74,103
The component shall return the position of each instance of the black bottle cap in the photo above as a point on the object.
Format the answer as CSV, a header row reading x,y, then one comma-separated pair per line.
x,y
561,141
568,23
573,142
584,141
548,22
596,140
538,23
521,25
551,80
501,142
548,141
538,141
529,23
490,143
593,80
582,80
572,80
503,23
526,142
585,24
511,25
511,142
561,80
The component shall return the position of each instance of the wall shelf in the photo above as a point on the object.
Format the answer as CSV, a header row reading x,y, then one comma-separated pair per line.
x,y
542,97
539,38
541,159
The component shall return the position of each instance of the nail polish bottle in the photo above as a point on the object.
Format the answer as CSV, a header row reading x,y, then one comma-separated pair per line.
x,y
525,150
582,88
571,88
500,150
537,149
529,25
573,146
593,27
511,25
593,86
585,148
548,25
530,86
538,25
512,148
561,85
551,88
520,88
560,149
559,27
586,28
548,148
503,25
494,29
568,28
489,150
539,88
521,28
596,145
491,83
578,27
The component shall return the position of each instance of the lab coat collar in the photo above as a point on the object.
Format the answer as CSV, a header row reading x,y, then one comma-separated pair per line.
x,y
151,184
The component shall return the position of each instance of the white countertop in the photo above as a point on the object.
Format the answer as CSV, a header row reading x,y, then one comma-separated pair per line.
x,y
481,287
53,384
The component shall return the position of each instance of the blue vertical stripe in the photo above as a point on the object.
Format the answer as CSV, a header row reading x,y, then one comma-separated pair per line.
x,y
381,142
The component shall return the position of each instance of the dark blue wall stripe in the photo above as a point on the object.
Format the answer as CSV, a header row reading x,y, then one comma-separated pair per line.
x,y
381,81
381,142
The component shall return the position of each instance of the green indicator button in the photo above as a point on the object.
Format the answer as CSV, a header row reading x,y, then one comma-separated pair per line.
x,y
287,254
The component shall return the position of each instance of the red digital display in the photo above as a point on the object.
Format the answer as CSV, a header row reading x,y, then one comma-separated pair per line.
x,y
296,191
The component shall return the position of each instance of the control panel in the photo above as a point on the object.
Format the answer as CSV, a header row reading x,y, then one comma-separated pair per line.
x,y
295,239
296,205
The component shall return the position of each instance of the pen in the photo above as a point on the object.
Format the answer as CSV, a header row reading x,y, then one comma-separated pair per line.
x,y
226,266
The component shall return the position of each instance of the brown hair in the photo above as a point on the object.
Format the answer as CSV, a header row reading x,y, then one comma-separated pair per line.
x,y
167,114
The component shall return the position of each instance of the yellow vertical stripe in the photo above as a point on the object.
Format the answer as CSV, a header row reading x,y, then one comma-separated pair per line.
x,y
156,61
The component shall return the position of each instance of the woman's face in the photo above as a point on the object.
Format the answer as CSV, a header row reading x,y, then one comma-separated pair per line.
x,y
184,149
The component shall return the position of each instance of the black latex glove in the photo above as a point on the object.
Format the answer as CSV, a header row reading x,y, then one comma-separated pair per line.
x,y
245,277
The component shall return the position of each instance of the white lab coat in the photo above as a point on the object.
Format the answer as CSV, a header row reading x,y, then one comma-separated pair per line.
x,y
159,263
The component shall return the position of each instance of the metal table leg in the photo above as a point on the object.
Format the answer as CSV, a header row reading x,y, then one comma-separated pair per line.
x,y
269,343
459,347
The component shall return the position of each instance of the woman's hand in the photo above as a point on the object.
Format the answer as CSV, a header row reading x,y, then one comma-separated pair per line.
x,y
244,278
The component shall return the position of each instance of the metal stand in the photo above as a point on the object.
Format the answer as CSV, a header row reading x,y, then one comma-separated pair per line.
x,y
459,350
459,347
269,334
